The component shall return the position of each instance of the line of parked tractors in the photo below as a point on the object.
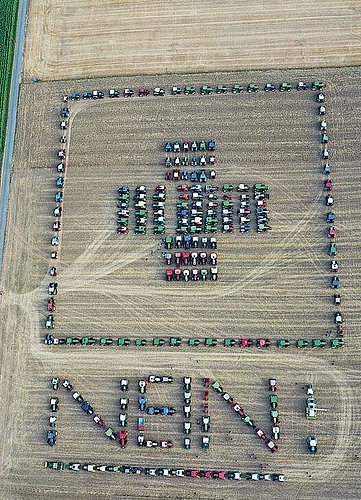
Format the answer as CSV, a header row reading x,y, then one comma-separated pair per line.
x,y
260,343
246,419
166,472
191,90
57,212
330,216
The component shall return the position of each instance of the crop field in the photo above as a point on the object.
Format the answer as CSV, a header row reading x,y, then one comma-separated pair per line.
x,y
66,41
9,9
273,285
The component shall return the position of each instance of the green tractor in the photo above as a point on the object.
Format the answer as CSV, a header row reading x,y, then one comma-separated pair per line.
x,y
157,342
317,85
332,251
189,89
237,89
334,343
221,89
208,342
300,344
55,465
202,146
158,230
193,342
260,187
283,343
210,228
229,342
182,230
227,188
175,341
274,416
204,274
206,90
123,341
285,87
319,343
248,421
105,341
88,341
72,341
168,242
112,435
227,204
140,342
252,87
140,230
218,388
273,401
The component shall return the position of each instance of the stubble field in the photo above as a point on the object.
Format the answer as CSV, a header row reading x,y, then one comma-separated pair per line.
x,y
274,284
84,40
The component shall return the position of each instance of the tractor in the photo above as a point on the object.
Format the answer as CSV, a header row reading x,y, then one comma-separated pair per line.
x,y
269,87
140,342
209,342
114,93
175,341
337,299
221,89
193,342
168,242
88,341
311,410
111,434
252,87
176,90
330,217
283,343
229,342
272,382
237,89
104,341
158,91
332,251
123,341
319,343
142,92
338,318
189,89
285,87
334,266
335,282
157,342
206,90
300,344
273,401
302,86
128,93
312,444
334,343
317,85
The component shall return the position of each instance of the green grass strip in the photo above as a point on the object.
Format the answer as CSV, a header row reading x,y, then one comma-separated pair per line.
x,y
8,25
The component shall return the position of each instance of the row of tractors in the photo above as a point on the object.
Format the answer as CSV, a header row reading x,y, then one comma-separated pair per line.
x,y
166,472
246,419
191,90
56,227
261,343
330,215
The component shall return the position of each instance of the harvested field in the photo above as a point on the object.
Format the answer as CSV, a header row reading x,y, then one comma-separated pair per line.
x,y
107,287
130,38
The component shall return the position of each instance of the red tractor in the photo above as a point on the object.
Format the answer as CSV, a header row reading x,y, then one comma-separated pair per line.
x,y
182,187
51,305
245,343
185,258
123,438
169,274
261,343
177,258
206,383
332,232
143,92
328,185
